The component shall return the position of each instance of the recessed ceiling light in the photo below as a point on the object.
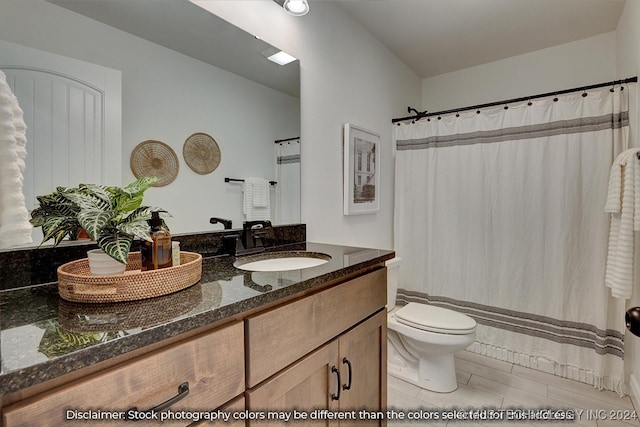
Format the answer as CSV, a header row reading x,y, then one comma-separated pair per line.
x,y
296,7
281,58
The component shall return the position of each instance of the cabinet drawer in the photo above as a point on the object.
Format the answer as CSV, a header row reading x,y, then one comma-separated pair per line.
x,y
211,363
279,337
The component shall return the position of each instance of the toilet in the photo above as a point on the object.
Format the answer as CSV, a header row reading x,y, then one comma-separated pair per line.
x,y
422,339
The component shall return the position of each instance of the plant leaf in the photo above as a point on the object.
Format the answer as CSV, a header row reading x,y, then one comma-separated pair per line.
x,y
100,191
129,198
87,201
126,203
94,221
138,229
57,228
57,203
141,213
116,245
140,185
38,217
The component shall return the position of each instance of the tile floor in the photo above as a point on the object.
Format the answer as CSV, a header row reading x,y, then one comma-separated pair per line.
x,y
488,383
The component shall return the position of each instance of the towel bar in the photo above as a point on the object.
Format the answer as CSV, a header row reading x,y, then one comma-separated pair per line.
x,y
242,180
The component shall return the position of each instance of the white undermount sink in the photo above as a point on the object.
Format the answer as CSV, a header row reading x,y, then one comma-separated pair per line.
x,y
281,261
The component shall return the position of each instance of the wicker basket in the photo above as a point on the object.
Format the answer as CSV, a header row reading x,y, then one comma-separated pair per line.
x,y
75,282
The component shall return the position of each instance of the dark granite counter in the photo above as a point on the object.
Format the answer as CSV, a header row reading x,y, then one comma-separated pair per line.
x,y
43,336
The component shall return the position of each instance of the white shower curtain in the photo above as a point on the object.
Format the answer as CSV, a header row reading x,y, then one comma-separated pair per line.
x,y
288,187
500,215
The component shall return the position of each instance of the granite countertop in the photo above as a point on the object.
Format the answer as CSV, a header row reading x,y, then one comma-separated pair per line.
x,y
43,336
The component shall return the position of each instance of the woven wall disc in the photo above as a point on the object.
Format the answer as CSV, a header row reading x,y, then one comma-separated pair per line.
x,y
155,158
201,152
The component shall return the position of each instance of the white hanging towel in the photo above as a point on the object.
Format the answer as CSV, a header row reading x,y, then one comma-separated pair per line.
x,y
623,203
256,203
15,228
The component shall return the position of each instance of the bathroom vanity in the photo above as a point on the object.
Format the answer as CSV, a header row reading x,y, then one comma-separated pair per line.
x,y
239,347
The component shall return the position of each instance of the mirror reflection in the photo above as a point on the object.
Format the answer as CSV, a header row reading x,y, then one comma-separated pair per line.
x,y
98,78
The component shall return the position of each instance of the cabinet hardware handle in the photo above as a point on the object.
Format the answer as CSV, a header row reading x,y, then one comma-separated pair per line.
x,y
347,362
183,391
333,395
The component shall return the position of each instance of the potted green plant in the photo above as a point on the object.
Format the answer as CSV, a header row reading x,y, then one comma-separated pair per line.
x,y
112,216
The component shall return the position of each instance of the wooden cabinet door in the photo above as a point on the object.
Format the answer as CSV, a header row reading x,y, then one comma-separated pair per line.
x,y
363,366
212,364
306,386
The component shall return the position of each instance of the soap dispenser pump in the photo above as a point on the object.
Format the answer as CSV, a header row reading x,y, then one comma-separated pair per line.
x,y
156,253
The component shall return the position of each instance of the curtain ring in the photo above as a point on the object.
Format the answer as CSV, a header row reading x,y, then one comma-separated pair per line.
x,y
478,112
457,114
584,92
506,107
529,103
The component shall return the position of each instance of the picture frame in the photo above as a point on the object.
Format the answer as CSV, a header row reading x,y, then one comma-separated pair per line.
x,y
361,176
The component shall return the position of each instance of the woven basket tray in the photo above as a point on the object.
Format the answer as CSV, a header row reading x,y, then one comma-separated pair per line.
x,y
75,282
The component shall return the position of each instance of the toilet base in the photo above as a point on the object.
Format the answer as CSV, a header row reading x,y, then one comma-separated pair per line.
x,y
436,372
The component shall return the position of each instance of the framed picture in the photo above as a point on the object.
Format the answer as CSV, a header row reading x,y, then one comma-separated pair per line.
x,y
361,170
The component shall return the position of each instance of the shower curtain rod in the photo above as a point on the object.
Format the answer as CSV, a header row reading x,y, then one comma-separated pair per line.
x,y
419,115
277,141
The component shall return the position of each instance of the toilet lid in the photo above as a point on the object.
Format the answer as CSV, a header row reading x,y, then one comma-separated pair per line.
x,y
435,319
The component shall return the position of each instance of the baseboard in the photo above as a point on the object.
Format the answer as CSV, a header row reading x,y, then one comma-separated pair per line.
x,y
634,391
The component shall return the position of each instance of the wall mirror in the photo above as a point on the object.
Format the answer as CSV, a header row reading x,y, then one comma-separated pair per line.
x,y
169,69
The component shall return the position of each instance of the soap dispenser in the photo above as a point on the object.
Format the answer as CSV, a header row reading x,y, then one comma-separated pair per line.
x,y
157,253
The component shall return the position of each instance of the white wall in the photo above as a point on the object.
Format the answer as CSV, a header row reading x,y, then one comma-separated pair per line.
x,y
628,57
584,62
628,65
167,97
347,76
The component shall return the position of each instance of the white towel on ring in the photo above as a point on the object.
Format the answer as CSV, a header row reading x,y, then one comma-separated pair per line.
x,y
623,203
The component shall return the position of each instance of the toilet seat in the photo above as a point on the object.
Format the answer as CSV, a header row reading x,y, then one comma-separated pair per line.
x,y
435,319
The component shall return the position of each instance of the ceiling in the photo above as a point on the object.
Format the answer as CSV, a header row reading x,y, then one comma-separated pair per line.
x,y
438,36
431,36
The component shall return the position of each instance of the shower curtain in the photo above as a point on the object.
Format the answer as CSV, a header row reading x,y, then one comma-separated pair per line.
x,y
288,188
499,214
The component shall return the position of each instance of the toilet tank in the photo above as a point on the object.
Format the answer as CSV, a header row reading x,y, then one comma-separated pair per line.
x,y
393,277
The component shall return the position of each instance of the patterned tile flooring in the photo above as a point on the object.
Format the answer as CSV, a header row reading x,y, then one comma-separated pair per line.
x,y
485,383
